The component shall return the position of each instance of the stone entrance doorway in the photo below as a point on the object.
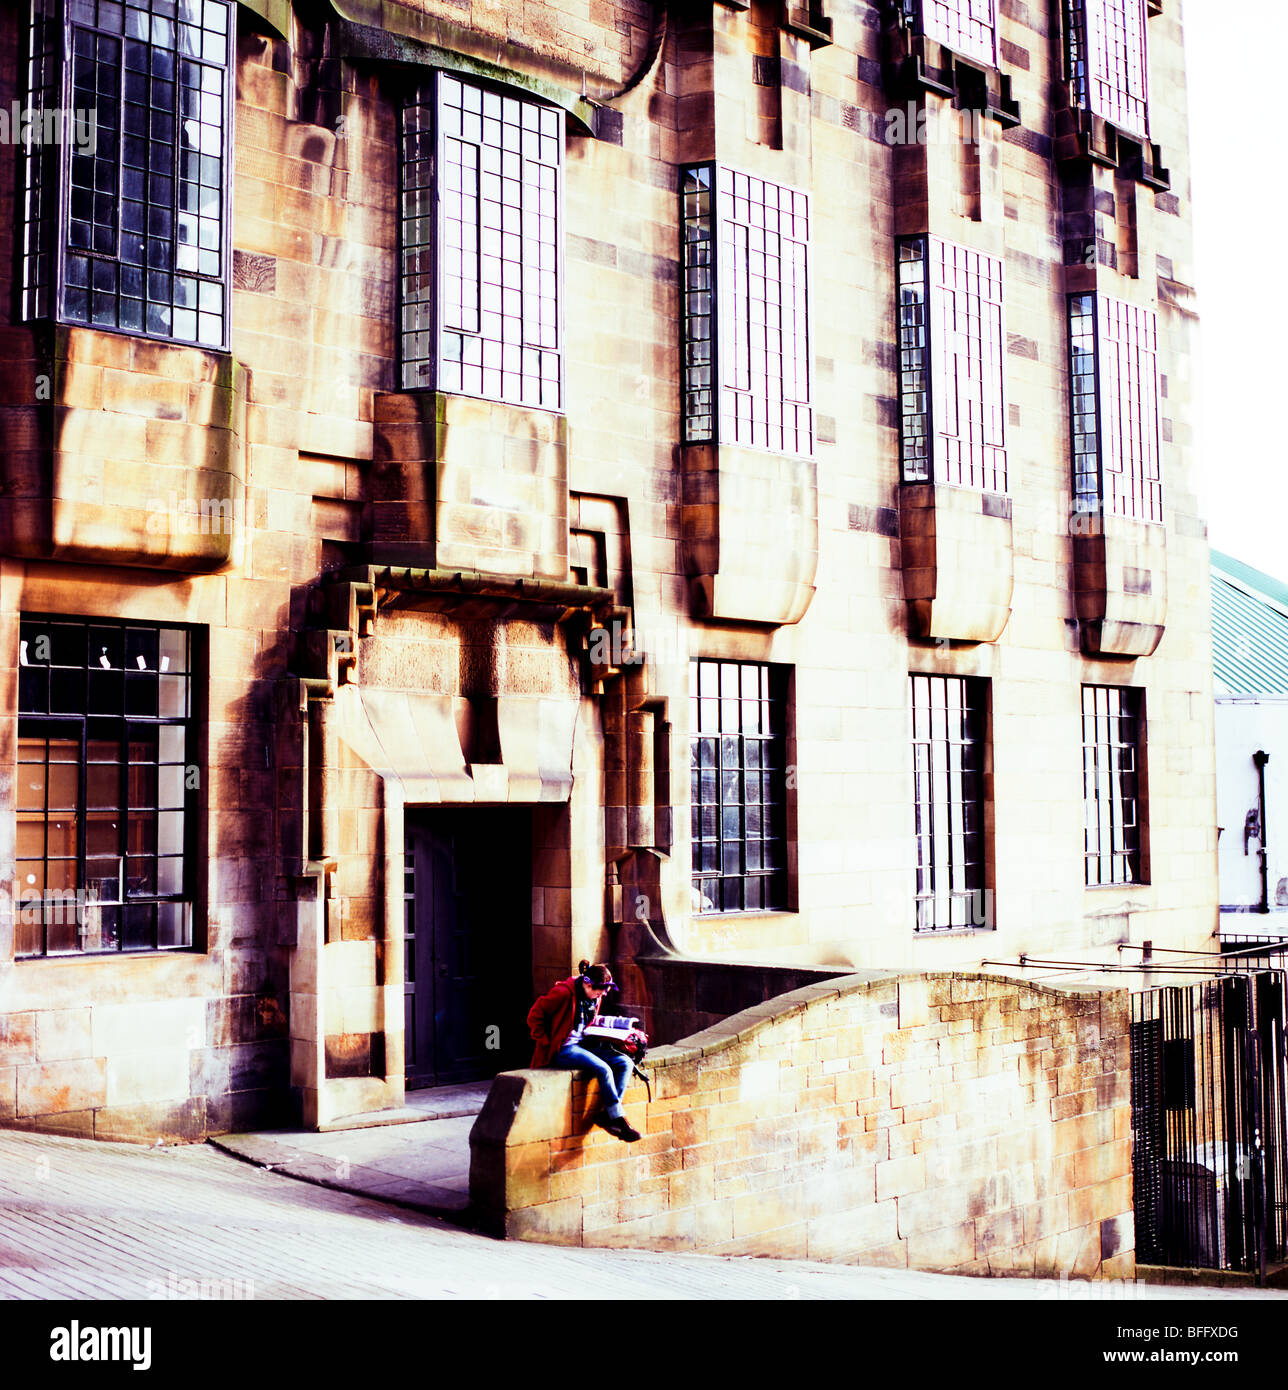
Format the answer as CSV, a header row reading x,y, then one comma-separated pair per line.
x,y
468,941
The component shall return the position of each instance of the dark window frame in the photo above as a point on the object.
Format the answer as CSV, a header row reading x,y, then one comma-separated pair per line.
x,y
107,727
914,13
1078,68
726,773
1115,798
58,32
925,455
1104,331
699,316
916,378
1084,418
716,332
952,833
430,370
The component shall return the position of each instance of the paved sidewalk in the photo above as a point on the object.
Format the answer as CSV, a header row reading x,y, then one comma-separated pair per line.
x,y
425,1165
417,1157
87,1220
431,1103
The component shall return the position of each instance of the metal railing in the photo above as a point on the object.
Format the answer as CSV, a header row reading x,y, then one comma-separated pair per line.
x,y
1253,953
1210,1142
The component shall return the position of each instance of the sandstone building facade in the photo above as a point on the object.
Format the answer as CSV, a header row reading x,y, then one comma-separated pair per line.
x,y
490,483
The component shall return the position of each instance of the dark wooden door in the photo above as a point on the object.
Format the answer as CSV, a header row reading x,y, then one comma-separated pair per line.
x,y
468,932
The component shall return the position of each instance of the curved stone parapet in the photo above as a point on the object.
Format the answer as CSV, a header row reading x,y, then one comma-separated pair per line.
x,y
950,1122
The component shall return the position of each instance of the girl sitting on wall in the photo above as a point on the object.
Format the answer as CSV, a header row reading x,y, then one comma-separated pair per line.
x,y
557,1021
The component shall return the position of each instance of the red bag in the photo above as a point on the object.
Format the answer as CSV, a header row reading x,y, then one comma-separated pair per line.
x,y
619,1031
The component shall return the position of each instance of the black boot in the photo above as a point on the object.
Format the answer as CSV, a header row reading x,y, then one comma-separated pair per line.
x,y
618,1127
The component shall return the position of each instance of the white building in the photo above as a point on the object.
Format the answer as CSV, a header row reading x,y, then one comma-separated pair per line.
x,y
1250,662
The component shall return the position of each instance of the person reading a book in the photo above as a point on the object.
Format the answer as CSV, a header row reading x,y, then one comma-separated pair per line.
x,y
558,1021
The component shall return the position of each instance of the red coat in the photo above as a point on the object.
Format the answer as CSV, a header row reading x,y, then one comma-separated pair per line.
x,y
551,1018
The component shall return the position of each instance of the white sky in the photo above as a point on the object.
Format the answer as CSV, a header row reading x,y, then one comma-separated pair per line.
x,y
1236,116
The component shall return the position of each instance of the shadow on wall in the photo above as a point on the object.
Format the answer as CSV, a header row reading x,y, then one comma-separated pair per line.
x,y
673,996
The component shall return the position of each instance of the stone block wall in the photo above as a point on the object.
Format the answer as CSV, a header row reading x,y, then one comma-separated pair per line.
x,y
750,523
1120,566
158,1055
958,562
314,280
465,484
581,35
120,450
949,1122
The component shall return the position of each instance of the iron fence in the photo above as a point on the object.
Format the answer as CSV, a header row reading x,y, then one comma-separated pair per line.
x,y
1208,1123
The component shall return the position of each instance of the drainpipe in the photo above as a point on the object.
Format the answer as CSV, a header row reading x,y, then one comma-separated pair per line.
x,y
1261,758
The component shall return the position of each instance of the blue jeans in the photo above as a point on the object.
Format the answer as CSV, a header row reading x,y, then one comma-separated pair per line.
x,y
611,1069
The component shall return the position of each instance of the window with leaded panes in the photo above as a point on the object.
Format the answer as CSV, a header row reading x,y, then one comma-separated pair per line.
x,y
949,732
968,27
951,365
1112,743
482,271
1106,60
125,219
104,797
1084,402
746,327
738,772
1114,386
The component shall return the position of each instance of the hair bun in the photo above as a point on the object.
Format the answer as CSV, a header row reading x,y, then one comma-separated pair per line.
x,y
583,966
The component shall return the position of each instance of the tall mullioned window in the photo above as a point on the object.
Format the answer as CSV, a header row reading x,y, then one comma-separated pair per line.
x,y
1113,363
481,270
738,767
1084,402
746,312
104,796
40,170
949,732
968,27
125,214
1112,739
951,365
1106,60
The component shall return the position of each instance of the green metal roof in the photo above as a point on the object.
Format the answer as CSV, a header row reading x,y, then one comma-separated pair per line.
x,y
1254,579
1249,629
